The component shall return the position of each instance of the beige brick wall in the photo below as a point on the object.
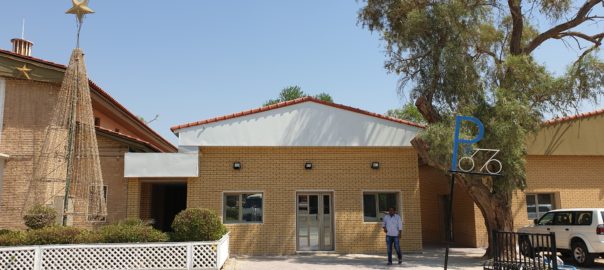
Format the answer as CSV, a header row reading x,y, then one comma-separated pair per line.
x,y
434,185
575,181
27,110
279,173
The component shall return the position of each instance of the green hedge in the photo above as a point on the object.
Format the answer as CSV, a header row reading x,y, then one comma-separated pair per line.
x,y
126,231
196,224
130,231
12,238
55,235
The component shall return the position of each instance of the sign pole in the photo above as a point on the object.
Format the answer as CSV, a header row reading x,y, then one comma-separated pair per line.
x,y
456,167
450,229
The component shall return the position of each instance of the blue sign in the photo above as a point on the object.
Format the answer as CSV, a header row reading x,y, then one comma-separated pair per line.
x,y
457,141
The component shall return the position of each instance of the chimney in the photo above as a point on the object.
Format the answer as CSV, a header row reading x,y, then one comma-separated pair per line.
x,y
22,46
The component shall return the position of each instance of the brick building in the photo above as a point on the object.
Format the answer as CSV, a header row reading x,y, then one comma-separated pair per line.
x,y
28,93
303,175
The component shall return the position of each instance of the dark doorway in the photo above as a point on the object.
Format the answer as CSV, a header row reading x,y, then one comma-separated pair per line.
x,y
167,200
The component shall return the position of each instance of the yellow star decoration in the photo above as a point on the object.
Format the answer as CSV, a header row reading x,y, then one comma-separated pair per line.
x,y
79,9
25,70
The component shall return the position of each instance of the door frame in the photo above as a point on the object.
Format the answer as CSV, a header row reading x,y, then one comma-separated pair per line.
x,y
333,218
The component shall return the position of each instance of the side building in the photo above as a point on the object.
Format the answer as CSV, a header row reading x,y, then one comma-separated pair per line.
x,y
28,95
564,169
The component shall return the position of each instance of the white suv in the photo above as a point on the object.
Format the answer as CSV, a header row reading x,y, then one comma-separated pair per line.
x,y
579,232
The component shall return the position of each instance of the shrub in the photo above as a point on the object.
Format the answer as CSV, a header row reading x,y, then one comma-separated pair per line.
x,y
195,224
12,238
130,231
40,216
55,235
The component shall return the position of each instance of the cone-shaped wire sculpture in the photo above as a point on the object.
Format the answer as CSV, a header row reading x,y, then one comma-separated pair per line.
x,y
67,172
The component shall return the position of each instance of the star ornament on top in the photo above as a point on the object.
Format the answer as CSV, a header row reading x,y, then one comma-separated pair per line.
x,y
79,9
25,71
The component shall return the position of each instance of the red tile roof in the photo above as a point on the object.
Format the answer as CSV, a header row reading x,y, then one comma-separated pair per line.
x,y
128,137
573,117
293,102
99,90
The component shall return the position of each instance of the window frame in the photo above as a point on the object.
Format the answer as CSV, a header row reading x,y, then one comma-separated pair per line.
x,y
552,197
240,210
376,194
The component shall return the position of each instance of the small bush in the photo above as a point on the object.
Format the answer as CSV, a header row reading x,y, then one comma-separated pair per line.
x,y
54,235
12,238
195,224
40,216
130,231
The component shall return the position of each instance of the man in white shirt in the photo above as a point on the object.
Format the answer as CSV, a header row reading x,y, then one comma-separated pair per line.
x,y
393,227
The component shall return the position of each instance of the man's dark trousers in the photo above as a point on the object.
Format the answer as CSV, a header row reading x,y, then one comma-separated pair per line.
x,y
393,240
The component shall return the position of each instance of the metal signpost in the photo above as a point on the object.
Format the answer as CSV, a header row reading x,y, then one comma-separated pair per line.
x,y
457,168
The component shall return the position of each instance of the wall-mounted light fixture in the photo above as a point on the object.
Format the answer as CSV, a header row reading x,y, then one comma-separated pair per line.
x,y
308,165
237,165
375,165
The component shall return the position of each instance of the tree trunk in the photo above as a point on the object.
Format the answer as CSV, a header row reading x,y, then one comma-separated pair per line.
x,y
496,208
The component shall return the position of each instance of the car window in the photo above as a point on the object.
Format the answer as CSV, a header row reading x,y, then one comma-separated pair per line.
x,y
547,219
583,218
563,218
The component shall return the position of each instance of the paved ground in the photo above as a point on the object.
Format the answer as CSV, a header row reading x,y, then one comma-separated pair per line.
x,y
431,258
465,258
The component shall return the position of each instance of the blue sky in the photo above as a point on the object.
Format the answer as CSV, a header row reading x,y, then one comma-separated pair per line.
x,y
191,60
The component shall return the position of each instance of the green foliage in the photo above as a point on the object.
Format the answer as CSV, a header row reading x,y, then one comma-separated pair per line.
x,y
324,97
54,235
130,231
11,238
195,224
475,58
295,92
40,216
408,112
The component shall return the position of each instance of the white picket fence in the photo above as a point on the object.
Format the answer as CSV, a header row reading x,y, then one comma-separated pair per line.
x,y
173,256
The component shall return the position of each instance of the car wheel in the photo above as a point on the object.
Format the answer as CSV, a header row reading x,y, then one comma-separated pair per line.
x,y
526,249
581,255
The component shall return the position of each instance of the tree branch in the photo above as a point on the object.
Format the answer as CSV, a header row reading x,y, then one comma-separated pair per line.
x,y
489,53
517,26
579,18
595,39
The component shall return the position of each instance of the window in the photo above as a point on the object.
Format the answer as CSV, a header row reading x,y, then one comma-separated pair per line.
x,y
97,121
375,205
538,204
92,190
547,219
242,208
583,218
563,218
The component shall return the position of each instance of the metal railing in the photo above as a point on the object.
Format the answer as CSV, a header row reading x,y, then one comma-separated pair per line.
x,y
515,251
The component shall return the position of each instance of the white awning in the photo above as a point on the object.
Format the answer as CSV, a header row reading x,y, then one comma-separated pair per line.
x,y
161,165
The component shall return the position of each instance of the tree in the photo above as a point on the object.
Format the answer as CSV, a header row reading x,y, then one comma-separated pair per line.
x,y
408,112
460,57
294,92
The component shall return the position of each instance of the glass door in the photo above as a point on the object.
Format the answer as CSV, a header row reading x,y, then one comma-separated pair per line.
x,y
314,217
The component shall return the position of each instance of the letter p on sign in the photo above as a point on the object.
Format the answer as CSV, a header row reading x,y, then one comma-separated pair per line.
x,y
457,141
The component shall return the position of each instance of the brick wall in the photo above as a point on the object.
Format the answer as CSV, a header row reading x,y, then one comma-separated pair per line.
x,y
575,181
434,186
279,173
27,110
